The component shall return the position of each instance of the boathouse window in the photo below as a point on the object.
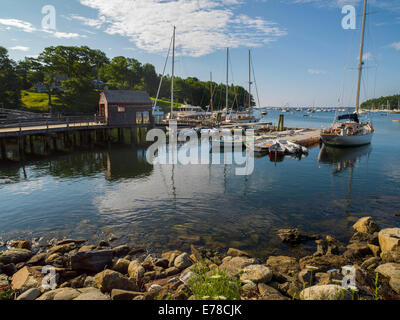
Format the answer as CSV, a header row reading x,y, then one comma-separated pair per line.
x,y
121,109
139,117
146,117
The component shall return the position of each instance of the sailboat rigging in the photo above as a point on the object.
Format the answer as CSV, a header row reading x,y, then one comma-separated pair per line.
x,y
352,132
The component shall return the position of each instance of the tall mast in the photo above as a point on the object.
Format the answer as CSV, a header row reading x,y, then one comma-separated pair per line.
x,y
173,73
227,79
249,79
360,65
211,92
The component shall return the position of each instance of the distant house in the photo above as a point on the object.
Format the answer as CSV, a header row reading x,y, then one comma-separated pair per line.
x,y
58,78
125,107
97,84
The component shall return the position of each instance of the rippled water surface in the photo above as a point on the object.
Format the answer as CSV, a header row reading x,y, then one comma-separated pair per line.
x,y
97,192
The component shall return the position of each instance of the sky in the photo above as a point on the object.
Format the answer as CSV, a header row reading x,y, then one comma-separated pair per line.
x,y
302,55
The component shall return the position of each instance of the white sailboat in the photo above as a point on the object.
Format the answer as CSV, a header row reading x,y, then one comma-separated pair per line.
x,y
351,133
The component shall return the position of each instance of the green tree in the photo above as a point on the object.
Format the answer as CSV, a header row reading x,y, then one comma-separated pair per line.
x,y
10,85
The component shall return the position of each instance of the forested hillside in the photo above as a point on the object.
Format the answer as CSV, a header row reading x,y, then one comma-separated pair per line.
x,y
67,75
393,102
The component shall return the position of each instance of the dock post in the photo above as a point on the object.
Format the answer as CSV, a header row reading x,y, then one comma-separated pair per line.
x,y
281,122
3,149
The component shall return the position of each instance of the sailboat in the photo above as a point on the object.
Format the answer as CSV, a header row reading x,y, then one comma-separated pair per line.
x,y
351,132
242,116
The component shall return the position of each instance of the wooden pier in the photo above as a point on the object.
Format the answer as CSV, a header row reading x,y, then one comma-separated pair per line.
x,y
43,137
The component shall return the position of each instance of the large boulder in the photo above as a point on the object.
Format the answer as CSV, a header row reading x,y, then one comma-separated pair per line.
x,y
15,256
325,292
366,225
256,273
26,278
389,241
135,270
392,272
232,266
108,280
283,264
92,261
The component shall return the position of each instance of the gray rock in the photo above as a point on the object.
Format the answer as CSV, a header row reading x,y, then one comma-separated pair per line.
x,y
269,293
234,265
121,265
135,270
89,282
295,236
117,294
66,294
30,294
283,264
256,273
3,280
366,225
49,295
92,261
108,280
9,269
92,295
391,271
237,253
183,261
15,256
325,292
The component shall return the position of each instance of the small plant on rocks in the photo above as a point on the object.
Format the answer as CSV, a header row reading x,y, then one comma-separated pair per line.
x,y
209,284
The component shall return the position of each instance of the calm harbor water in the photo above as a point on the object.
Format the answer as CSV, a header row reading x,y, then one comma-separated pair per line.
x,y
94,193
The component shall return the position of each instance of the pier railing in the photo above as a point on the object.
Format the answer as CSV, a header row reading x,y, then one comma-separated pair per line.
x,y
68,121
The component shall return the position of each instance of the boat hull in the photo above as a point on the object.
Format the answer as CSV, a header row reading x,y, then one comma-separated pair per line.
x,y
346,141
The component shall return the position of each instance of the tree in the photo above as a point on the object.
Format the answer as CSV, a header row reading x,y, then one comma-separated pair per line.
x,y
10,85
122,73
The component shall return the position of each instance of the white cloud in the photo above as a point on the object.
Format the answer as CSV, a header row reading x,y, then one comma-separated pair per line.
x,y
64,35
316,71
28,27
393,6
95,23
20,48
395,45
203,26
23,25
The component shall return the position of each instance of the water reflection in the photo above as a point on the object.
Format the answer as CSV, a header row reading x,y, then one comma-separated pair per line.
x,y
342,158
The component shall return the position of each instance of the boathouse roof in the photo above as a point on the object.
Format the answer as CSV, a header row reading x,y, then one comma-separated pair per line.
x,y
126,96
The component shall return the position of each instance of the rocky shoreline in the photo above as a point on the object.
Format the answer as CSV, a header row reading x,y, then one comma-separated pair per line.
x,y
367,268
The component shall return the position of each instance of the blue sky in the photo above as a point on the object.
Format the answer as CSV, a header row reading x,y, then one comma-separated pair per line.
x,y
299,47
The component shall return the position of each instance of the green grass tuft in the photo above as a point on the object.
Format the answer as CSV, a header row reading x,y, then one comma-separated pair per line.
x,y
213,284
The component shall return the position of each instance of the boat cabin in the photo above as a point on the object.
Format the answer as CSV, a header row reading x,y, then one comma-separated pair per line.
x,y
125,107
